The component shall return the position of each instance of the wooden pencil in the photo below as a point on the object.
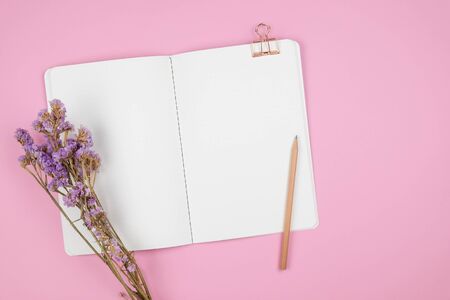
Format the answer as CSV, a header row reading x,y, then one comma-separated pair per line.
x,y
289,204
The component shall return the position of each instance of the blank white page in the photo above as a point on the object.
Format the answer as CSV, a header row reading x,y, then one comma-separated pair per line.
x,y
239,116
130,108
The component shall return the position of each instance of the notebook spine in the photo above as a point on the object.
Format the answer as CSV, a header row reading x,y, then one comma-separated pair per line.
x,y
181,148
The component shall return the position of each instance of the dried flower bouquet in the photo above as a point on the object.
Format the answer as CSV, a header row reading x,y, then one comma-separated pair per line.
x,y
66,165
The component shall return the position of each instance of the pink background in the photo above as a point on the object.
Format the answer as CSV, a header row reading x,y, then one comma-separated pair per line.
x,y
377,78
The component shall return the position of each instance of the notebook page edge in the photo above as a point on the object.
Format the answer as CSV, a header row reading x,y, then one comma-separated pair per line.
x,y
65,226
302,102
306,120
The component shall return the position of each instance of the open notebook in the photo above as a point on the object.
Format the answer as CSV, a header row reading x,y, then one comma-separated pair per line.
x,y
195,146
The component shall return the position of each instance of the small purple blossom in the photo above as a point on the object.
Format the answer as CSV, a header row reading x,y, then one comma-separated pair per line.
x,y
131,267
60,177
84,137
48,126
57,183
91,202
65,126
95,211
61,154
46,162
87,221
84,152
54,121
89,158
77,192
58,111
41,114
36,125
23,137
69,202
114,250
24,160
114,242
67,151
98,234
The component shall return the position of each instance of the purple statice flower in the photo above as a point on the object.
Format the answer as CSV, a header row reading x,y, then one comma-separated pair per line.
x,y
84,137
95,211
24,138
84,152
114,250
79,190
31,149
61,154
78,168
58,110
42,114
42,117
44,122
75,194
52,168
37,125
98,234
89,158
91,202
67,151
55,120
115,244
69,202
87,221
65,126
24,160
60,177
48,126
131,267
57,105
45,161
117,258
28,145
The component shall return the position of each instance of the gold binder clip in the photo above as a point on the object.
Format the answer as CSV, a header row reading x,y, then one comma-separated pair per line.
x,y
265,45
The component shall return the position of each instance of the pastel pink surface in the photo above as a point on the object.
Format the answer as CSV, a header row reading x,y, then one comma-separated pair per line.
x,y
377,80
